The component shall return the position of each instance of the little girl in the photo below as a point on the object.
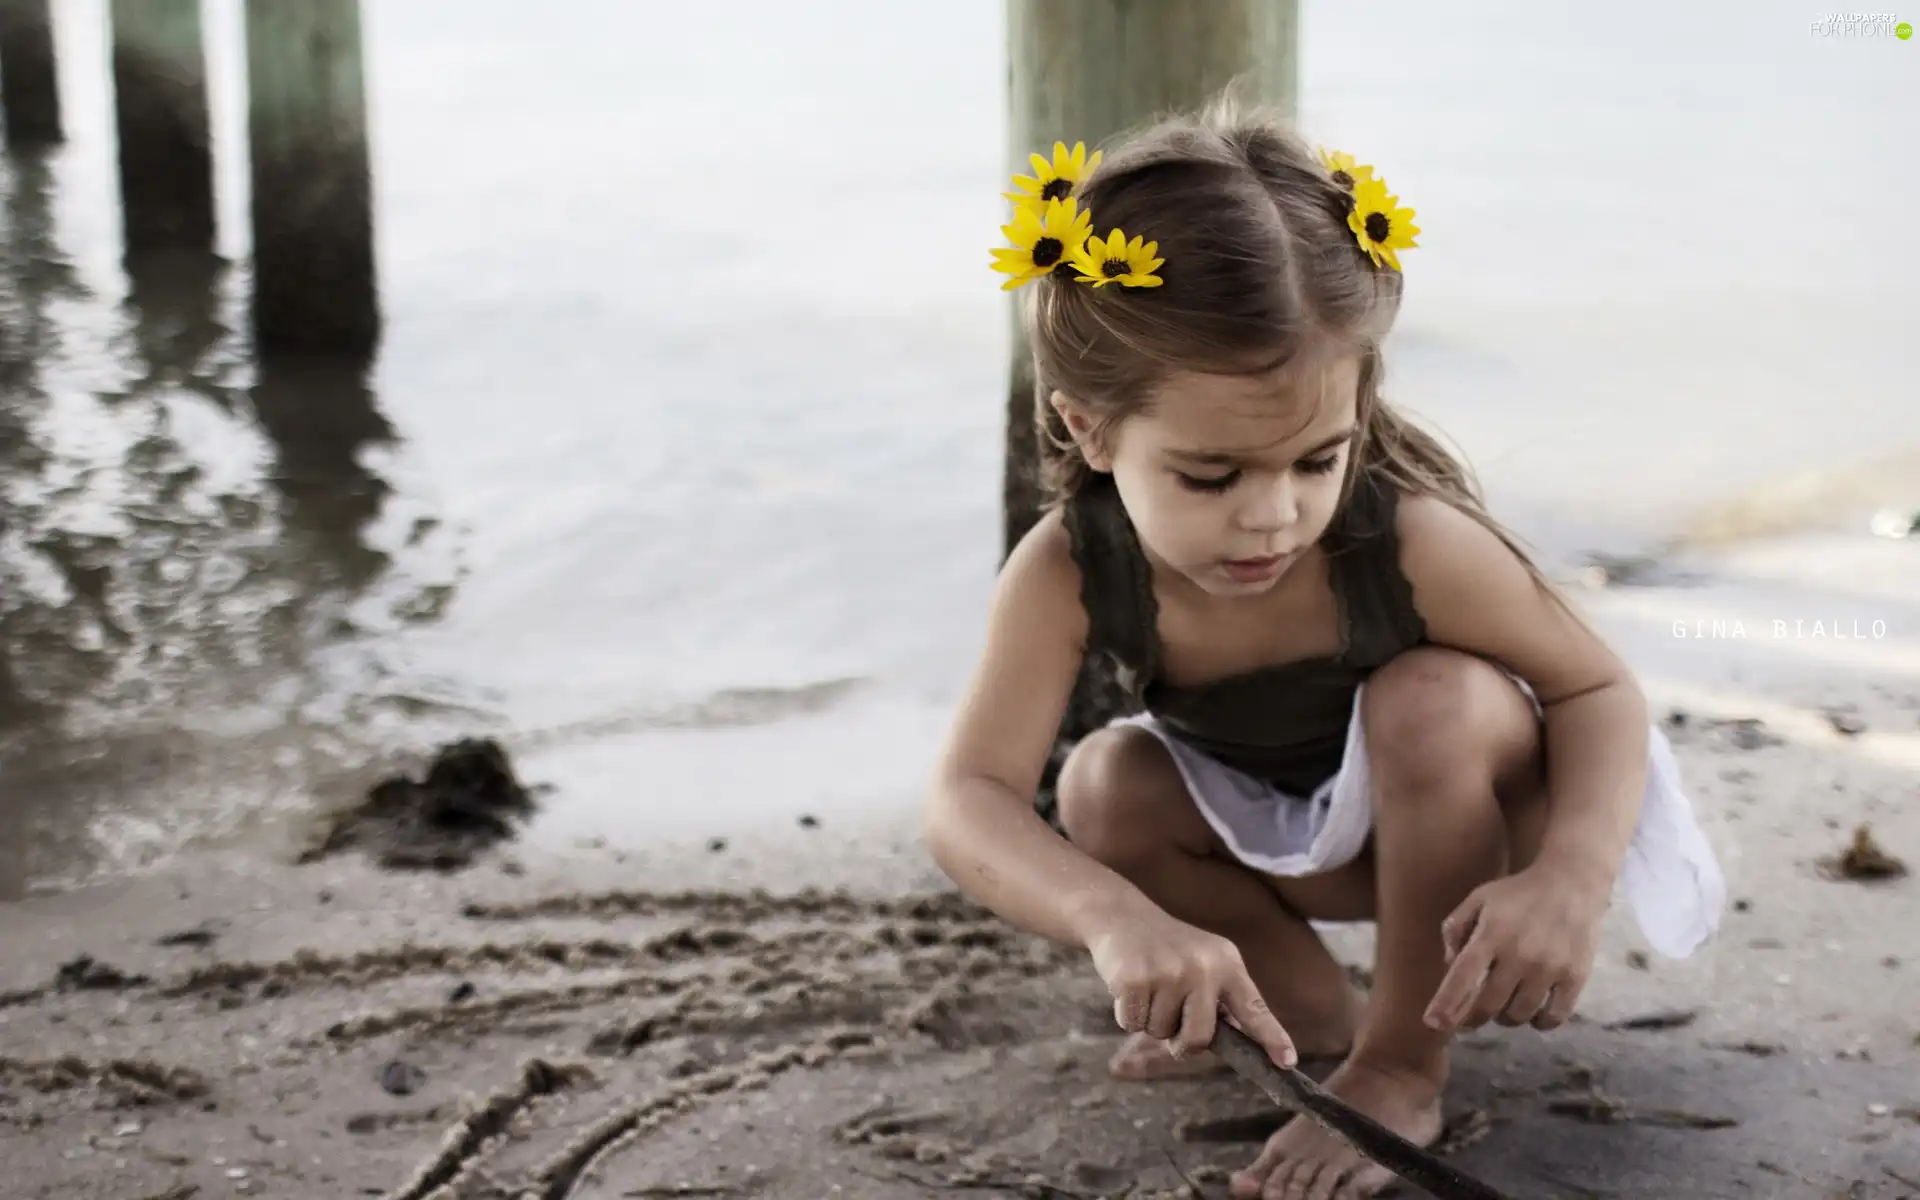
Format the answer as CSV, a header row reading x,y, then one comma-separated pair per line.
x,y
1360,701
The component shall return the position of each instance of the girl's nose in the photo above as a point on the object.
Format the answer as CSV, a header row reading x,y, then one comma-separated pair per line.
x,y
1270,509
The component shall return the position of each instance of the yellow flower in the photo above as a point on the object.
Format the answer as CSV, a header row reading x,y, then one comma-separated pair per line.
x,y
1056,180
1344,170
1041,243
1380,224
1117,260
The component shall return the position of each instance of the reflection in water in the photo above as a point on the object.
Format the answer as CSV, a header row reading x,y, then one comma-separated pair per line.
x,y
182,540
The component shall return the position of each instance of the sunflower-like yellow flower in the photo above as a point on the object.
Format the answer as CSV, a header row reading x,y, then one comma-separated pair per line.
x,y
1117,260
1345,171
1382,227
1056,180
1041,242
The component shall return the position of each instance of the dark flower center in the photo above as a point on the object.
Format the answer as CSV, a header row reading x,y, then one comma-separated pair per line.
x,y
1047,251
1344,180
1378,226
1114,268
1057,189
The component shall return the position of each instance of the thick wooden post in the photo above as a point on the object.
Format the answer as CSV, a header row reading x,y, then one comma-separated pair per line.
x,y
160,107
29,86
314,287
1085,71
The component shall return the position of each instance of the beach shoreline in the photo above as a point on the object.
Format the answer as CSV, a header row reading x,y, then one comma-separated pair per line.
x,y
810,1010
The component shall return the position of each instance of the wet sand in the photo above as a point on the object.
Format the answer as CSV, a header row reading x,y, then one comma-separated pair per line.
x,y
810,1011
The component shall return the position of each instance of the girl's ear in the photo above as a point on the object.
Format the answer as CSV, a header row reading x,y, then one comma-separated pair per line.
x,y
1084,430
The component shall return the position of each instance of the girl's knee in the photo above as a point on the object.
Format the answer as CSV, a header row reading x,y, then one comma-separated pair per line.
x,y
1435,717
1119,792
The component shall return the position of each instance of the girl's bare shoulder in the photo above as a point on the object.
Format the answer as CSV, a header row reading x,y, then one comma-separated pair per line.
x,y
1040,583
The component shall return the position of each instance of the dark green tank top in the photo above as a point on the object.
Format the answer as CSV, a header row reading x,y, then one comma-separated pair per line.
x,y
1285,724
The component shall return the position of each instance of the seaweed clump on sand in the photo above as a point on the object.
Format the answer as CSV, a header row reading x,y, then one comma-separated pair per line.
x,y
468,802
1863,859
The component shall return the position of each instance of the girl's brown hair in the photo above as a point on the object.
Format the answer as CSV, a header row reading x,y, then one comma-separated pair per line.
x,y
1261,272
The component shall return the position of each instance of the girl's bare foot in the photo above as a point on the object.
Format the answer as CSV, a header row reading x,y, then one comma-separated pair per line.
x,y
1304,1160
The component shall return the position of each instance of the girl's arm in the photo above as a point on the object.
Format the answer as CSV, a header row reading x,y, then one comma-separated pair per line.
x,y
980,822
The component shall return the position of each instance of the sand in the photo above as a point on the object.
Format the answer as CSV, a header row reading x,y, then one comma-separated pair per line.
x,y
815,1013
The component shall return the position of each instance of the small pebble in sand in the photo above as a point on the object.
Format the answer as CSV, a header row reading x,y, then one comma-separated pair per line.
x,y
236,1172
402,1078
1845,722
716,845
1878,1110
809,821
1638,960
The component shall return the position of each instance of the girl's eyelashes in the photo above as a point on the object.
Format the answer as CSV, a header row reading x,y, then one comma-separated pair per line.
x,y
1220,483
1324,465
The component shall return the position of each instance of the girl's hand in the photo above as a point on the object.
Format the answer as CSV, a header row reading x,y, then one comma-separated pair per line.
x,y
1521,948
1172,980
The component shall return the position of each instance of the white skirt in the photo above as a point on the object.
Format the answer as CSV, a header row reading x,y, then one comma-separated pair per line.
x,y
1670,876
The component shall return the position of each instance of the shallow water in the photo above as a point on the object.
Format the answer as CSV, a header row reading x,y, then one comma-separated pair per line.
x,y
679,465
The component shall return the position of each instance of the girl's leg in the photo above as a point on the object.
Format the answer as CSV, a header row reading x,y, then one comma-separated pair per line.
x,y
1454,749
1123,801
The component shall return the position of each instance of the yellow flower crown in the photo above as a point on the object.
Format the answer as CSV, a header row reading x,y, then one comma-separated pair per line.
x,y
1051,232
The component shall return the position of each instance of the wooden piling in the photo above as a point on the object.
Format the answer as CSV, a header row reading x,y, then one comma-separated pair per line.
x,y
1088,70
160,108
29,84
312,209
1085,71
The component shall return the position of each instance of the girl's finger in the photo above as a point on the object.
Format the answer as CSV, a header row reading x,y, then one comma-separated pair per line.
x,y
1248,1011
1461,987
1459,926
1528,999
1163,1014
1496,994
1197,1021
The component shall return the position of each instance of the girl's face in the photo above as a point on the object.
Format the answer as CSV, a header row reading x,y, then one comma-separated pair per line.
x,y
1229,480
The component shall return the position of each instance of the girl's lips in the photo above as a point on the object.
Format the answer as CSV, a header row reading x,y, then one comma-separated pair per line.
x,y
1252,570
